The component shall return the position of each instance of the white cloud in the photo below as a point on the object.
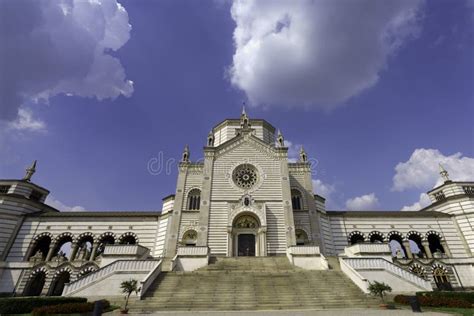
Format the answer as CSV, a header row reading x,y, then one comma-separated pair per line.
x,y
316,52
60,47
421,171
364,202
293,151
51,201
26,122
422,202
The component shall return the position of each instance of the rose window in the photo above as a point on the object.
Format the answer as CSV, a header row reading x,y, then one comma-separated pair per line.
x,y
245,176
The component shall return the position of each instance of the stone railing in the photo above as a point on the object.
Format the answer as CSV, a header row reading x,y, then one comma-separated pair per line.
x,y
149,279
304,250
355,276
371,249
382,264
114,267
125,250
192,251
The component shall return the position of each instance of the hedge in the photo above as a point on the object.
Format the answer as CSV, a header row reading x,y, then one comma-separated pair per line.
x,y
465,296
69,308
434,301
24,305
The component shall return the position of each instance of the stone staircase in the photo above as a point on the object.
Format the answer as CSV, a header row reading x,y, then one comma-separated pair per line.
x,y
251,283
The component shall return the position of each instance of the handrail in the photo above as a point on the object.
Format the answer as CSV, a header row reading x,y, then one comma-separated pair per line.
x,y
119,265
355,276
381,263
149,279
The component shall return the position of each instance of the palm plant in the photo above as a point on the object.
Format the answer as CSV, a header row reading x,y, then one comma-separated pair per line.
x,y
379,289
128,287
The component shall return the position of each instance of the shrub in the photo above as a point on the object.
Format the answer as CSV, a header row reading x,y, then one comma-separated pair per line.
x,y
465,296
379,289
69,308
434,301
24,305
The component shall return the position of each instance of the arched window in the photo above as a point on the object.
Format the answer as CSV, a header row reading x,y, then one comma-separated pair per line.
x,y
296,199
396,244
418,270
57,286
434,241
440,276
356,237
35,284
194,199
416,247
105,239
40,247
190,238
301,237
376,237
85,242
62,247
128,238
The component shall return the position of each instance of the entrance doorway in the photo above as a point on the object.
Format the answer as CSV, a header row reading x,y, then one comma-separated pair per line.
x,y
246,245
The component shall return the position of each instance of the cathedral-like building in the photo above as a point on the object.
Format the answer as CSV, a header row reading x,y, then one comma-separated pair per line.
x,y
244,199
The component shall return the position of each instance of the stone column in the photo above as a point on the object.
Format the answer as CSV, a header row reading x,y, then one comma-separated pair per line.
x,y
205,197
445,247
171,240
50,252
286,195
230,242
74,249
94,251
426,246
406,245
30,250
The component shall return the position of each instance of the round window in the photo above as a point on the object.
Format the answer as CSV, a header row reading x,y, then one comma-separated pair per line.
x,y
245,176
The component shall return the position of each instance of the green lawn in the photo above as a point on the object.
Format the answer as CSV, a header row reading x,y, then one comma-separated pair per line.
x,y
451,310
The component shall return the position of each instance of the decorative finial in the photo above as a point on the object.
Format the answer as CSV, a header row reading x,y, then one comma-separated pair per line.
x,y
444,174
30,172
280,139
243,109
244,119
210,139
186,154
303,156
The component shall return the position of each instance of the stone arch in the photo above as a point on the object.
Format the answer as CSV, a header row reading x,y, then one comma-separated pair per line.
x,y
247,236
434,239
87,270
418,270
355,237
395,241
36,281
106,235
297,201
39,247
193,201
301,236
61,277
415,240
84,245
246,220
86,235
376,236
107,238
128,238
441,277
61,249
189,238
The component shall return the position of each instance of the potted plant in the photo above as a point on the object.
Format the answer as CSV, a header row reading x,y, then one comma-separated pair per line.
x,y
380,289
128,287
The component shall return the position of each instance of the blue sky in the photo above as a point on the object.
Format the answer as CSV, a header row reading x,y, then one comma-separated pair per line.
x,y
378,93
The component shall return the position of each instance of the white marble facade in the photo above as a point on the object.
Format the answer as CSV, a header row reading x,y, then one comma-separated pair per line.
x,y
245,198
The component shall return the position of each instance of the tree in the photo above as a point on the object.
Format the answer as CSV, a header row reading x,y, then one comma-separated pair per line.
x,y
128,287
379,289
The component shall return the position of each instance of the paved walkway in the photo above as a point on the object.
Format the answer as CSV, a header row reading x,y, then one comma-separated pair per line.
x,y
341,312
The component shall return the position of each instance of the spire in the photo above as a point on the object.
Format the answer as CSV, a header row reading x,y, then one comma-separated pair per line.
x,y
244,119
186,154
444,174
30,172
280,139
303,156
210,139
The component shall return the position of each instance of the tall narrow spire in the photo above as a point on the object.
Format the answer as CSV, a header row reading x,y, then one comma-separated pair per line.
x,y
444,174
244,119
30,172
303,156
186,154
280,139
